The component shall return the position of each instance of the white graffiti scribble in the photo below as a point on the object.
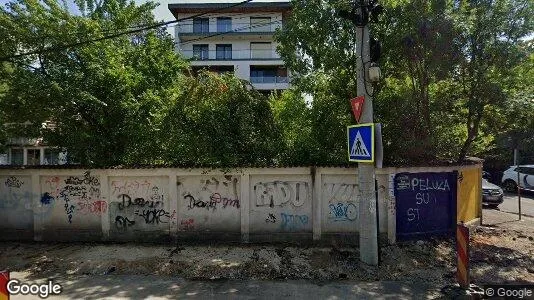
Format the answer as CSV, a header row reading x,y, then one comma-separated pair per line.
x,y
340,192
278,193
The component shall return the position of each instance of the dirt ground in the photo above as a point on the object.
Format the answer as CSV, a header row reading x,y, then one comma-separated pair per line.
x,y
501,252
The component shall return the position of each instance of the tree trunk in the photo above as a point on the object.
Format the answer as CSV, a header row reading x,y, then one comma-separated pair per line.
x,y
473,124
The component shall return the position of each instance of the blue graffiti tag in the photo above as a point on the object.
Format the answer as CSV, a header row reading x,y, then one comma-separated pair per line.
x,y
46,198
293,222
343,211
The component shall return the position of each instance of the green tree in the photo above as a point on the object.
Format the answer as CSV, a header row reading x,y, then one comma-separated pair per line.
x,y
491,32
512,123
219,121
444,64
107,97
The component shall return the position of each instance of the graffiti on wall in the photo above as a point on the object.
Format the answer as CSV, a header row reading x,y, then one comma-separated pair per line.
x,y
293,222
343,211
209,202
187,224
14,196
213,194
16,209
280,193
342,201
271,218
13,182
425,204
215,201
138,203
78,195
16,199
139,187
122,223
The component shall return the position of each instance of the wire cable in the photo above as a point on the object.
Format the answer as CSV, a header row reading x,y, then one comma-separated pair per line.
x,y
264,15
112,36
364,78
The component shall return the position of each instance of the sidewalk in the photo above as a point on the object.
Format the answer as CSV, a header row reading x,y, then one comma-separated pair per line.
x,y
160,287
507,220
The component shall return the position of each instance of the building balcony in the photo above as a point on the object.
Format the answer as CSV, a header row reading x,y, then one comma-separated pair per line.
x,y
231,55
269,79
23,141
228,29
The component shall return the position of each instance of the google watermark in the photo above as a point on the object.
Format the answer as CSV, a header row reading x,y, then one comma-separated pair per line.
x,y
10,287
509,291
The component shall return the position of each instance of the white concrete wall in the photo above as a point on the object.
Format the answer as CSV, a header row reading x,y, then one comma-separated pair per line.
x,y
16,208
281,203
340,196
71,206
209,203
139,205
4,159
157,204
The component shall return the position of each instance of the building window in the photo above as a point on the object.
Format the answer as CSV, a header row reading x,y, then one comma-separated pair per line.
x,y
262,24
201,52
261,50
201,25
17,157
224,24
51,156
224,51
34,157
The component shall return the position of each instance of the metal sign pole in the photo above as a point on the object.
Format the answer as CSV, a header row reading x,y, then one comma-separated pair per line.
x,y
516,162
462,255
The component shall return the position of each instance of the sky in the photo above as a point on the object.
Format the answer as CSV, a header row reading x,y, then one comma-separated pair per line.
x,y
162,13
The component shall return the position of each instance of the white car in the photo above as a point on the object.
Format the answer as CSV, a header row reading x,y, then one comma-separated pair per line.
x,y
526,178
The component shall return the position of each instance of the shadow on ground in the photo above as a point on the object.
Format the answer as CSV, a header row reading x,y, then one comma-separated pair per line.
x,y
123,286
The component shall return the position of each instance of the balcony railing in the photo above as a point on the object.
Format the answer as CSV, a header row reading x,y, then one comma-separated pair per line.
x,y
234,27
269,79
230,55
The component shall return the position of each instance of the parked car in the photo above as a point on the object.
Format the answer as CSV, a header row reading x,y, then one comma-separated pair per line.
x,y
492,195
526,178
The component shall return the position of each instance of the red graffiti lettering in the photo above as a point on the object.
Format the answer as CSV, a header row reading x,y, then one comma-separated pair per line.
x,y
187,224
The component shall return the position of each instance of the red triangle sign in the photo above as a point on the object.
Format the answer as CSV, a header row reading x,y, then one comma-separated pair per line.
x,y
357,107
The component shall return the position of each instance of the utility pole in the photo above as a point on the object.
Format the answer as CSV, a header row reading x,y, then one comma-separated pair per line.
x,y
362,12
366,172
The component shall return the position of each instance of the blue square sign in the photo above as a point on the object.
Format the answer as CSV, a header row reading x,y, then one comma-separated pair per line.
x,y
361,143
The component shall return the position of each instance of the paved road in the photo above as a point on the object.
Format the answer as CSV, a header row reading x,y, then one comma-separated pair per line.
x,y
510,203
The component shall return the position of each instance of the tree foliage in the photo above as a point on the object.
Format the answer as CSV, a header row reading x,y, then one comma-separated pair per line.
x,y
457,81
217,121
105,98
448,68
128,99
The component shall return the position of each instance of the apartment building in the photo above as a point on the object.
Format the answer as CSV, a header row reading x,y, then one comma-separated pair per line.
x,y
235,39
23,151
31,152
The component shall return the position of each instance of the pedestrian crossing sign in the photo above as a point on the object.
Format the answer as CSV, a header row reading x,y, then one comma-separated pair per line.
x,y
361,143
